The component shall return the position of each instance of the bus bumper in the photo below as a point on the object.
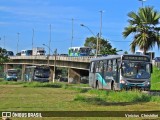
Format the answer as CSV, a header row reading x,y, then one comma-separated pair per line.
x,y
137,86
11,79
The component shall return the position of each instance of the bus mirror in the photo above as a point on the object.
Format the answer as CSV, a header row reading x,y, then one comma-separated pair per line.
x,y
151,68
120,65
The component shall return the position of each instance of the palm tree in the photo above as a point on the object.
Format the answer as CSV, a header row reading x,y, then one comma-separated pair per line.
x,y
143,25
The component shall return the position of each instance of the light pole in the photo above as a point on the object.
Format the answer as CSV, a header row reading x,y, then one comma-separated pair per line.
x,y
47,47
50,27
4,41
97,36
55,54
18,41
72,32
32,39
54,74
48,54
100,33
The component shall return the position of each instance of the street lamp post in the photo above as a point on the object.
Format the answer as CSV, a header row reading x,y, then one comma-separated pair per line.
x,y
55,54
97,36
54,74
48,54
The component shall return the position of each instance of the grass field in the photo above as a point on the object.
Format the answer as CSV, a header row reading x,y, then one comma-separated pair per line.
x,y
22,96
19,96
155,79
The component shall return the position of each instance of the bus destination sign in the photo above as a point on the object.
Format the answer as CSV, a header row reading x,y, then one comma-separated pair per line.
x,y
136,58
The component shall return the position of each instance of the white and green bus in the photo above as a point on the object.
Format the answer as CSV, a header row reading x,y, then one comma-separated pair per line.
x,y
79,51
117,72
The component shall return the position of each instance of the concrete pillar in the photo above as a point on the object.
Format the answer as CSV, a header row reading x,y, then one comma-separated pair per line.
x,y
52,74
23,72
73,76
7,66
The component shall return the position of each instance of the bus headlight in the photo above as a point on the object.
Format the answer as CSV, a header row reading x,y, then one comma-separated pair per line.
x,y
147,83
122,81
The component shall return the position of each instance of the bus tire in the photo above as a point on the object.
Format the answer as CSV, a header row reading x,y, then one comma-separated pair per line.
x,y
97,85
112,85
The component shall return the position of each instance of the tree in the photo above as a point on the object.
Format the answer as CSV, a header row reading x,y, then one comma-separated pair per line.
x,y
105,47
125,52
143,25
3,56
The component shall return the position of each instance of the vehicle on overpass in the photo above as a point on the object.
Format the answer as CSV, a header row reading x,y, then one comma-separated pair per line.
x,y
117,72
79,51
38,51
10,53
37,73
26,52
11,75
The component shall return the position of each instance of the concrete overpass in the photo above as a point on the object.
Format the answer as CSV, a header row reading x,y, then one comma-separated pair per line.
x,y
77,66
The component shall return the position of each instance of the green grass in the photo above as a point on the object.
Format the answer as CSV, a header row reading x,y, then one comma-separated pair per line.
x,y
105,97
155,79
22,96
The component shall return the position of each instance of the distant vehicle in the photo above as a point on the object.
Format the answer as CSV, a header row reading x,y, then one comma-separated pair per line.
x,y
149,53
10,53
37,73
79,51
18,54
38,51
117,72
64,55
157,59
26,52
11,75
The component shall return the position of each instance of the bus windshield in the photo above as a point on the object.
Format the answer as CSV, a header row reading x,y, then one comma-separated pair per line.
x,y
12,73
44,73
136,70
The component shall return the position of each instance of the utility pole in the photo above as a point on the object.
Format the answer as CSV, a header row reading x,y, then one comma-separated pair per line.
x,y
100,33
50,28
54,74
72,32
32,39
18,41
4,41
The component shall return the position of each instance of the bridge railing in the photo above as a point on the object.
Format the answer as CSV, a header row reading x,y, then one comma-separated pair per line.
x,y
61,58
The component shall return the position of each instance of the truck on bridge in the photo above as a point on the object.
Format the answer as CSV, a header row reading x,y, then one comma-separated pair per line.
x,y
38,51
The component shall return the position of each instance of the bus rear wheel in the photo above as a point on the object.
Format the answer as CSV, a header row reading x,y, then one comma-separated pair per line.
x,y
97,85
112,85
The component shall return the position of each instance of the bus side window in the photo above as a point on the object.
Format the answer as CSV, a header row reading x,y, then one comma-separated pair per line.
x,y
97,66
101,66
114,65
109,65
92,68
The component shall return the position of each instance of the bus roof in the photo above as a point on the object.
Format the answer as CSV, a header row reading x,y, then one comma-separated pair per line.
x,y
115,56
78,47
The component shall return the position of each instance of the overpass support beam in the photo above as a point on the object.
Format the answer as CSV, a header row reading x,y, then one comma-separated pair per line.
x,y
73,76
7,66
52,74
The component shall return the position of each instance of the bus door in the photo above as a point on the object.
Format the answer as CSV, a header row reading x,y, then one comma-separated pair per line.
x,y
116,73
108,73
92,74
99,76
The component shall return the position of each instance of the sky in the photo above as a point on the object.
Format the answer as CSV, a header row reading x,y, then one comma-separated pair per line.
x,y
58,21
